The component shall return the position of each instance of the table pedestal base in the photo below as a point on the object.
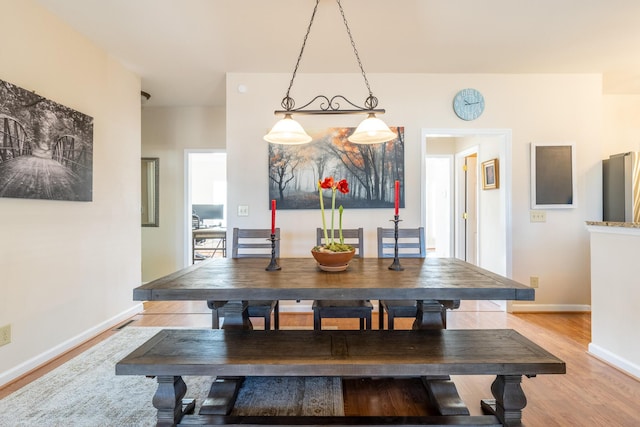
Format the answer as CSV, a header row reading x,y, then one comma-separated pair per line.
x,y
235,314
169,402
509,400
432,314
222,396
444,395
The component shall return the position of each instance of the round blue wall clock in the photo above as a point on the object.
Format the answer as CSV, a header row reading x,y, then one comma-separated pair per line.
x,y
468,104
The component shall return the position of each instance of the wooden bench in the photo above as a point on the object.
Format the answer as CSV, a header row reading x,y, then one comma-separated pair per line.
x,y
430,354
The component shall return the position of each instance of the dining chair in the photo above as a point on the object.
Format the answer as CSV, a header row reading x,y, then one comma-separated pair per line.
x,y
332,309
410,245
254,243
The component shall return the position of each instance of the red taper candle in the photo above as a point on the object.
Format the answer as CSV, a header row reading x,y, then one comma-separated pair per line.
x,y
397,196
273,216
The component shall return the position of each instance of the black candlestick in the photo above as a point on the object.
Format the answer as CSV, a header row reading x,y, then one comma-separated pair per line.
x,y
396,259
273,265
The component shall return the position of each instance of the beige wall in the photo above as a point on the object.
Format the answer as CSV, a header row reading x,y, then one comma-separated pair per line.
x,y
537,108
621,124
67,269
167,133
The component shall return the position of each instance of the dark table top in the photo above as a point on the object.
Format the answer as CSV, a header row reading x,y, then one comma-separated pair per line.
x,y
349,353
226,279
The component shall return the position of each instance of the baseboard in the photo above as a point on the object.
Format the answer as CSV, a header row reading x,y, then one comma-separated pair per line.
x,y
551,308
614,360
39,360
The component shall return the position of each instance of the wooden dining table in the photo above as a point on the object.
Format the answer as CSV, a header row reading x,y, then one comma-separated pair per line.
x,y
436,284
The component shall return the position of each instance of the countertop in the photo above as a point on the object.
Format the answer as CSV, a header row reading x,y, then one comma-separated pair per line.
x,y
615,224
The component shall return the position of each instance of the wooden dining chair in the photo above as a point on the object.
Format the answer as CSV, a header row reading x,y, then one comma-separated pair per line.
x,y
410,245
332,309
254,243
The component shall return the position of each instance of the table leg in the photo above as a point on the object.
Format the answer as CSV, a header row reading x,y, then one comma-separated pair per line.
x,y
168,400
442,391
222,396
235,314
509,400
431,315
224,390
444,395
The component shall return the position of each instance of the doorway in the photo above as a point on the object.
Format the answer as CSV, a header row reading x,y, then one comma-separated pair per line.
x,y
439,206
206,203
484,237
487,241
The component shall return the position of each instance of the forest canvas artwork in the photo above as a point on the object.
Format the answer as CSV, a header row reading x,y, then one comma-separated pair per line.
x,y
371,170
46,149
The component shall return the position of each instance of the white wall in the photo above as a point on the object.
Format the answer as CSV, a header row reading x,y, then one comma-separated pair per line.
x,y
615,316
492,206
166,134
67,269
537,108
622,127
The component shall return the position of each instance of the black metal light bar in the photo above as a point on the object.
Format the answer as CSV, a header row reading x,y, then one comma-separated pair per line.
x,y
331,106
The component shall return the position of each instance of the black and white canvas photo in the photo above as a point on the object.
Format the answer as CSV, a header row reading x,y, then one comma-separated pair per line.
x,y
46,149
370,170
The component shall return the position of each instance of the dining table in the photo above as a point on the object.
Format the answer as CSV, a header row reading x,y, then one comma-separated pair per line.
x,y
437,284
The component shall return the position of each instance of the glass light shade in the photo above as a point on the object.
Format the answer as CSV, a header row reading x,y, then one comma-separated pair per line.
x,y
372,131
287,131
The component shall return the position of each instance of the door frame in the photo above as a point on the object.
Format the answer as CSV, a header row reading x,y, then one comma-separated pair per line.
x,y
506,137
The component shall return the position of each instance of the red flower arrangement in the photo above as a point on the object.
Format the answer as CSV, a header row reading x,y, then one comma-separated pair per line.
x,y
343,187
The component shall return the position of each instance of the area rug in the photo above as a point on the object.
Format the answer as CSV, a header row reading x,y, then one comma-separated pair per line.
x,y
85,392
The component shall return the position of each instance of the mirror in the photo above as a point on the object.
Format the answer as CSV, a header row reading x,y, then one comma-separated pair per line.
x,y
150,191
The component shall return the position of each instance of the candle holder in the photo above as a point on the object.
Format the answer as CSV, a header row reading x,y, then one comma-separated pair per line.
x,y
273,265
396,259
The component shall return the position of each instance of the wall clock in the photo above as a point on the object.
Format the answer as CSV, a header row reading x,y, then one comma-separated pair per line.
x,y
468,104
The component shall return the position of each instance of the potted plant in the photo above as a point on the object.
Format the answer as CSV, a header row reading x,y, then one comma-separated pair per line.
x,y
332,255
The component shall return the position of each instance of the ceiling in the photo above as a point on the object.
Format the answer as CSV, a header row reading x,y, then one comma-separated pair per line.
x,y
183,48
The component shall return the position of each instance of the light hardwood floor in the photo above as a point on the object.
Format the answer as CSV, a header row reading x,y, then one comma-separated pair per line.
x,y
592,393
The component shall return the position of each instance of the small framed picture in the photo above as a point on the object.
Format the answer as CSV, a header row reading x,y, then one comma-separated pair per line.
x,y
490,178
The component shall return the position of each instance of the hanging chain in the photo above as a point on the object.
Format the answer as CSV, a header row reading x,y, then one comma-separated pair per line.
x,y
355,51
288,103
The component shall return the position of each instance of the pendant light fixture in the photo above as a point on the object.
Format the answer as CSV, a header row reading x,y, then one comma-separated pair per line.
x,y
371,130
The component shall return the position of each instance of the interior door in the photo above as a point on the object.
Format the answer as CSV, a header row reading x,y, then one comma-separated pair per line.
x,y
466,209
471,208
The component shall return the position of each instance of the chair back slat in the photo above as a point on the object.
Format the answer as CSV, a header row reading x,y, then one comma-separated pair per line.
x,y
410,243
352,236
254,243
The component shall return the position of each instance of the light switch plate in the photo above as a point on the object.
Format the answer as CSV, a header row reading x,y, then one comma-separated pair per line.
x,y
5,335
534,282
243,210
538,216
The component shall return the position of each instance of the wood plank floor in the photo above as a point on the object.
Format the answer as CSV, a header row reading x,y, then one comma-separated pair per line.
x,y
592,393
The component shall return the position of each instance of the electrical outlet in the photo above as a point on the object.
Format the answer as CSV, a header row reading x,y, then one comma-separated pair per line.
x,y
243,210
538,216
5,335
533,281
